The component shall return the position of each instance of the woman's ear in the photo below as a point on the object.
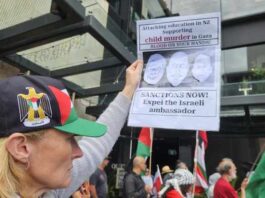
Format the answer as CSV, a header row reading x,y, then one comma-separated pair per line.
x,y
18,146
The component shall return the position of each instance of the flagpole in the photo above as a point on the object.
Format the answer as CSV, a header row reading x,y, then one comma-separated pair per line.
x,y
157,166
195,162
254,164
257,158
130,154
151,149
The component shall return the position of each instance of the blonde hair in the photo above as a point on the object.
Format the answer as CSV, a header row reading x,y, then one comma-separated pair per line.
x,y
10,172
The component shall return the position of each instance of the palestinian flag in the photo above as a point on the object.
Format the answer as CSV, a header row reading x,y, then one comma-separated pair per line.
x,y
256,184
144,143
69,121
67,111
201,181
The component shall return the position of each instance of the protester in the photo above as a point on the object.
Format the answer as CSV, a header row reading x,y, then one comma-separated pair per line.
x,y
223,189
83,191
99,181
181,164
134,186
180,186
212,180
185,181
147,178
171,189
38,150
167,173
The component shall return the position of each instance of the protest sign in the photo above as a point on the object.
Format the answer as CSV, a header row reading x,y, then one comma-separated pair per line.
x,y
180,86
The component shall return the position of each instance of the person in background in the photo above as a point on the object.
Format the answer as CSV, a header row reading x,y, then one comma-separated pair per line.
x,y
181,164
180,186
83,191
185,181
170,183
166,173
212,180
147,178
223,188
99,181
134,186
171,189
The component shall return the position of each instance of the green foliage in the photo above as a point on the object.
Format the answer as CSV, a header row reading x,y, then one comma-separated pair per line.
x,y
258,73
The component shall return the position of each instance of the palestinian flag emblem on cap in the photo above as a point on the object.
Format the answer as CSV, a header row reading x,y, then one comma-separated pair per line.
x,y
70,122
34,108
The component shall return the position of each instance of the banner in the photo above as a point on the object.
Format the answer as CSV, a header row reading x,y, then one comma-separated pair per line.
x,y
180,86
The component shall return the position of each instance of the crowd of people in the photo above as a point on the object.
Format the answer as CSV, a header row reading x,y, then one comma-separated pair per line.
x,y
178,183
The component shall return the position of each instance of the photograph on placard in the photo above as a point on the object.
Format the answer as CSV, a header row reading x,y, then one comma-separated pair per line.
x,y
181,68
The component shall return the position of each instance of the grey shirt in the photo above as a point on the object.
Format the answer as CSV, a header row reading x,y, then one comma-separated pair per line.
x,y
100,181
96,149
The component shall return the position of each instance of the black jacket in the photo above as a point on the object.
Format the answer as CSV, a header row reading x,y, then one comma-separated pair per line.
x,y
134,186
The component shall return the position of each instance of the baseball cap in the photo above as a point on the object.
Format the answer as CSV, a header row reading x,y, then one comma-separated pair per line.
x,y
32,103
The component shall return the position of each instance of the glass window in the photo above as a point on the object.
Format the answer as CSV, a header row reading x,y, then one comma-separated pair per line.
x,y
191,7
235,60
81,49
103,100
230,8
258,110
243,71
67,52
244,63
232,112
13,12
99,9
243,88
240,8
152,9
99,77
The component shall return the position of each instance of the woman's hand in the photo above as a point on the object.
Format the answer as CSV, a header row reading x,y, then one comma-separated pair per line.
x,y
133,77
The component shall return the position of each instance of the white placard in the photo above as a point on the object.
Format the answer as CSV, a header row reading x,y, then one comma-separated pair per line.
x,y
180,86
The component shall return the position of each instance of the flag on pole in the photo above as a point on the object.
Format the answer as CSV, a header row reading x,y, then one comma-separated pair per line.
x,y
201,183
256,185
157,181
144,143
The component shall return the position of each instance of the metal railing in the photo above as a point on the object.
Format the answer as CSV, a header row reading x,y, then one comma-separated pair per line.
x,y
243,88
